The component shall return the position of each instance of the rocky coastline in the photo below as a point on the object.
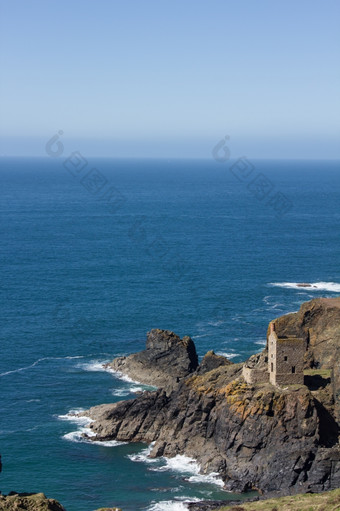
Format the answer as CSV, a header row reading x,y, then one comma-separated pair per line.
x,y
280,440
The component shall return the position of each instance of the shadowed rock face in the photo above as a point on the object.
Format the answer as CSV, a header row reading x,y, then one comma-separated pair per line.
x,y
166,359
255,436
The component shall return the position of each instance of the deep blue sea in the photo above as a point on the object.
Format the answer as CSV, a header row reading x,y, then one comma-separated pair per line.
x,y
92,258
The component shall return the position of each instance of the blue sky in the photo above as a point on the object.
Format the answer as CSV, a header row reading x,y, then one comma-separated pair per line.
x,y
171,78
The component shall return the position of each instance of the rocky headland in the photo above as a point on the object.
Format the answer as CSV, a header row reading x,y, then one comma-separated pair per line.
x,y
274,439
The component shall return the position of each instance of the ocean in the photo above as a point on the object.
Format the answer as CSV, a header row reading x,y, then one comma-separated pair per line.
x,y
97,253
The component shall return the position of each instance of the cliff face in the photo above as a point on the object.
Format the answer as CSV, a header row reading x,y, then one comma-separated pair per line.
x,y
255,436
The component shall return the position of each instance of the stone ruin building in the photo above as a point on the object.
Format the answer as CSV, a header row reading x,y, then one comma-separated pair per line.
x,y
283,365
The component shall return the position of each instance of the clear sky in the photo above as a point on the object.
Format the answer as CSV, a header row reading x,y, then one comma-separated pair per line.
x,y
170,78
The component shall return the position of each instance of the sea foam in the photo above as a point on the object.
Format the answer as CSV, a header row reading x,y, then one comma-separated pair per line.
x,y
83,423
93,366
169,505
314,286
181,464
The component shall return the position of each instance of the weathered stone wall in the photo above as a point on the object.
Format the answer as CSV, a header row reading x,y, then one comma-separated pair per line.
x,y
285,359
289,361
255,375
272,339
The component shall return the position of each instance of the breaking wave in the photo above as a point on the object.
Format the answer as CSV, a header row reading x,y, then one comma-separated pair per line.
x,y
93,366
172,505
127,392
83,423
181,464
312,286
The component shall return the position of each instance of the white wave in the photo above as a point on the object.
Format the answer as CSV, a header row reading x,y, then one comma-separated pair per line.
x,y
227,355
100,366
72,416
127,392
83,422
93,366
169,505
120,392
181,464
314,286
120,376
144,455
186,465
77,436
126,378
212,478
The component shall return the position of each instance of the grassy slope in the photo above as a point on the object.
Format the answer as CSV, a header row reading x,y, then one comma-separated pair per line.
x,y
328,501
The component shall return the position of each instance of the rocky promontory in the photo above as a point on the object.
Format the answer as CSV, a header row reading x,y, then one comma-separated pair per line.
x,y
282,439
167,359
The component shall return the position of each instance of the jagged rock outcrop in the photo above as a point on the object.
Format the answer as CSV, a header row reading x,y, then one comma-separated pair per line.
x,y
166,360
28,502
212,361
255,436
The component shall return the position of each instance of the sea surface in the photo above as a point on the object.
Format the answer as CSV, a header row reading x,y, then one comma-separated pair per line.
x,y
94,256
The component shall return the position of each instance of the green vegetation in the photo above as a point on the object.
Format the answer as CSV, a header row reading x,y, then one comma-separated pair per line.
x,y
328,501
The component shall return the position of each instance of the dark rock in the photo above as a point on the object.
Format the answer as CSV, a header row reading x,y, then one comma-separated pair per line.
x,y
166,360
213,505
211,361
245,434
256,437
